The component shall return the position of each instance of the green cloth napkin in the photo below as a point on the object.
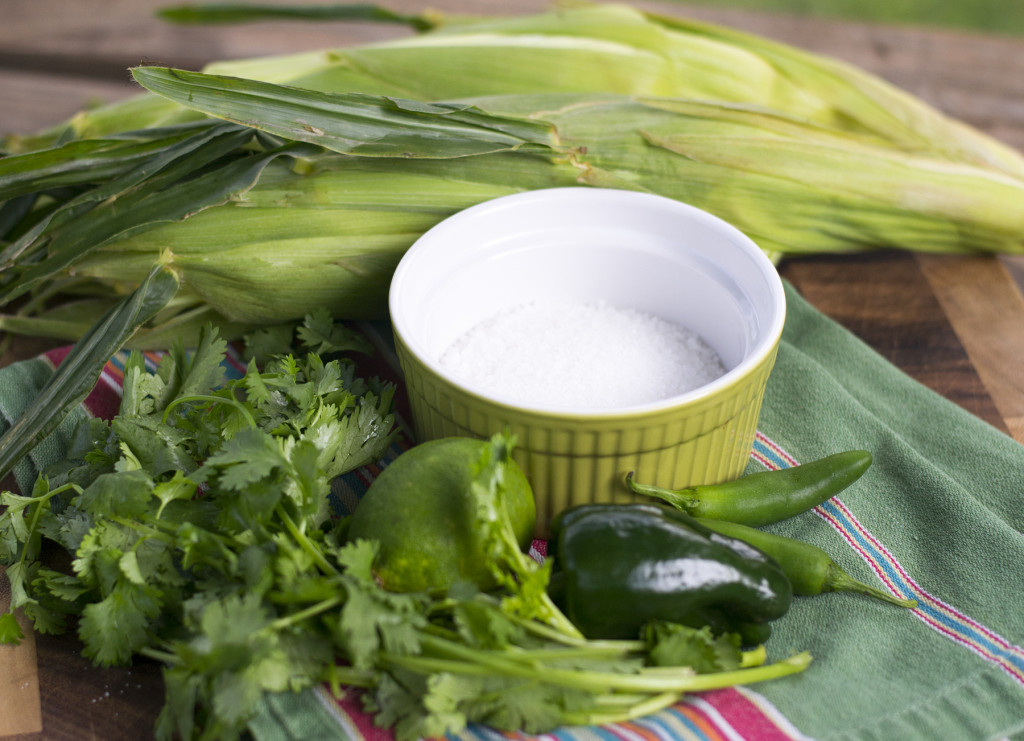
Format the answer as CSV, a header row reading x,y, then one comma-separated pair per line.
x,y
20,383
938,517
944,504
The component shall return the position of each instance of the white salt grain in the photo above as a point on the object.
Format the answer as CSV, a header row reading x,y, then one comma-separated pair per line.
x,y
581,356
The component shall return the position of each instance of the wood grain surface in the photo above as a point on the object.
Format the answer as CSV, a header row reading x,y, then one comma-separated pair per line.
x,y
954,323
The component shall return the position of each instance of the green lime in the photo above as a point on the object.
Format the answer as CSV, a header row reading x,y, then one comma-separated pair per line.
x,y
421,511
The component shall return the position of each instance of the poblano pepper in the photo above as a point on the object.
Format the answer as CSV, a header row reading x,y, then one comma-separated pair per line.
x,y
617,567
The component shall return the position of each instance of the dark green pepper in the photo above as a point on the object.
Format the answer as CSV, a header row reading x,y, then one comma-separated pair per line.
x,y
617,567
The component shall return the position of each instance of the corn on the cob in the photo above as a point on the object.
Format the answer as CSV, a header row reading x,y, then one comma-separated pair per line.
x,y
767,149
595,49
332,235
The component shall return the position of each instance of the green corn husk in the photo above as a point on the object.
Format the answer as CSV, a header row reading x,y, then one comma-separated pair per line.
x,y
329,232
323,193
592,49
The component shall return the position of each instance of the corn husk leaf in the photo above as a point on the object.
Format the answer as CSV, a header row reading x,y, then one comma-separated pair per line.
x,y
214,13
134,201
856,100
86,161
350,123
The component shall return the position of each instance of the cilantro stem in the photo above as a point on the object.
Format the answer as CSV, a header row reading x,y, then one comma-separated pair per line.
x,y
463,659
639,709
619,701
541,605
548,611
140,527
297,617
574,638
37,512
213,400
165,657
753,657
315,553
585,651
337,675
611,649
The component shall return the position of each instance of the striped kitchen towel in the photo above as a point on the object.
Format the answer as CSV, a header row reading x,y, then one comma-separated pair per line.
x,y
938,518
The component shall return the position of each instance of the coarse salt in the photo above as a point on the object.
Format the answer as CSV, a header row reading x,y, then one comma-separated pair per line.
x,y
581,356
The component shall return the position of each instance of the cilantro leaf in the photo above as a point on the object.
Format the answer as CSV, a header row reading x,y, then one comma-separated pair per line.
x,y
117,626
14,530
153,446
139,388
10,630
245,459
517,705
321,335
127,493
46,617
19,576
482,623
671,644
269,342
59,585
523,578
182,690
259,394
196,373
373,619
73,524
357,559
361,437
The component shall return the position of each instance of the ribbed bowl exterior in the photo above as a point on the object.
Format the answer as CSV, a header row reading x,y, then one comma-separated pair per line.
x,y
573,460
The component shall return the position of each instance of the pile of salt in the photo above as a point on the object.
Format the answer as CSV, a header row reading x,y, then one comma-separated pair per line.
x,y
581,356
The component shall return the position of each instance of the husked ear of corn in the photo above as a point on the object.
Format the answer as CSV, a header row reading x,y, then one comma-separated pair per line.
x,y
271,199
594,49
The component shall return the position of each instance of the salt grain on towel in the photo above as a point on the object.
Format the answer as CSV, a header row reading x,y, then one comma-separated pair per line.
x,y
581,356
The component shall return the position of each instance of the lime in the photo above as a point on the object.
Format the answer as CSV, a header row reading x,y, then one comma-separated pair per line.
x,y
421,510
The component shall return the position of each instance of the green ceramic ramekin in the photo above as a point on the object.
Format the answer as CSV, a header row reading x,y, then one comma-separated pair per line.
x,y
623,248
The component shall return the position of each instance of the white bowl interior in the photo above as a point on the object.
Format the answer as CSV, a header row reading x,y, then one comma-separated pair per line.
x,y
627,249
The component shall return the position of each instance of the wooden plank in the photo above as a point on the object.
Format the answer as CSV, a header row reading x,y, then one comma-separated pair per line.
x,y
54,34
20,708
33,101
984,308
886,300
113,704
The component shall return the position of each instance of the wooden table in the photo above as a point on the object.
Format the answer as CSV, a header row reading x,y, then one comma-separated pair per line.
x,y
954,323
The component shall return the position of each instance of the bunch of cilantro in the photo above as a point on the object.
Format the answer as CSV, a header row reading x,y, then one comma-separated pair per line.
x,y
194,529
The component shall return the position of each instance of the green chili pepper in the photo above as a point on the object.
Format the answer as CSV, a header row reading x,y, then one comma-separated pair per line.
x,y
810,569
619,566
768,496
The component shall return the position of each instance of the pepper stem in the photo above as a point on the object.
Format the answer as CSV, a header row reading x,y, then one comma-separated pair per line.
x,y
837,580
684,499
